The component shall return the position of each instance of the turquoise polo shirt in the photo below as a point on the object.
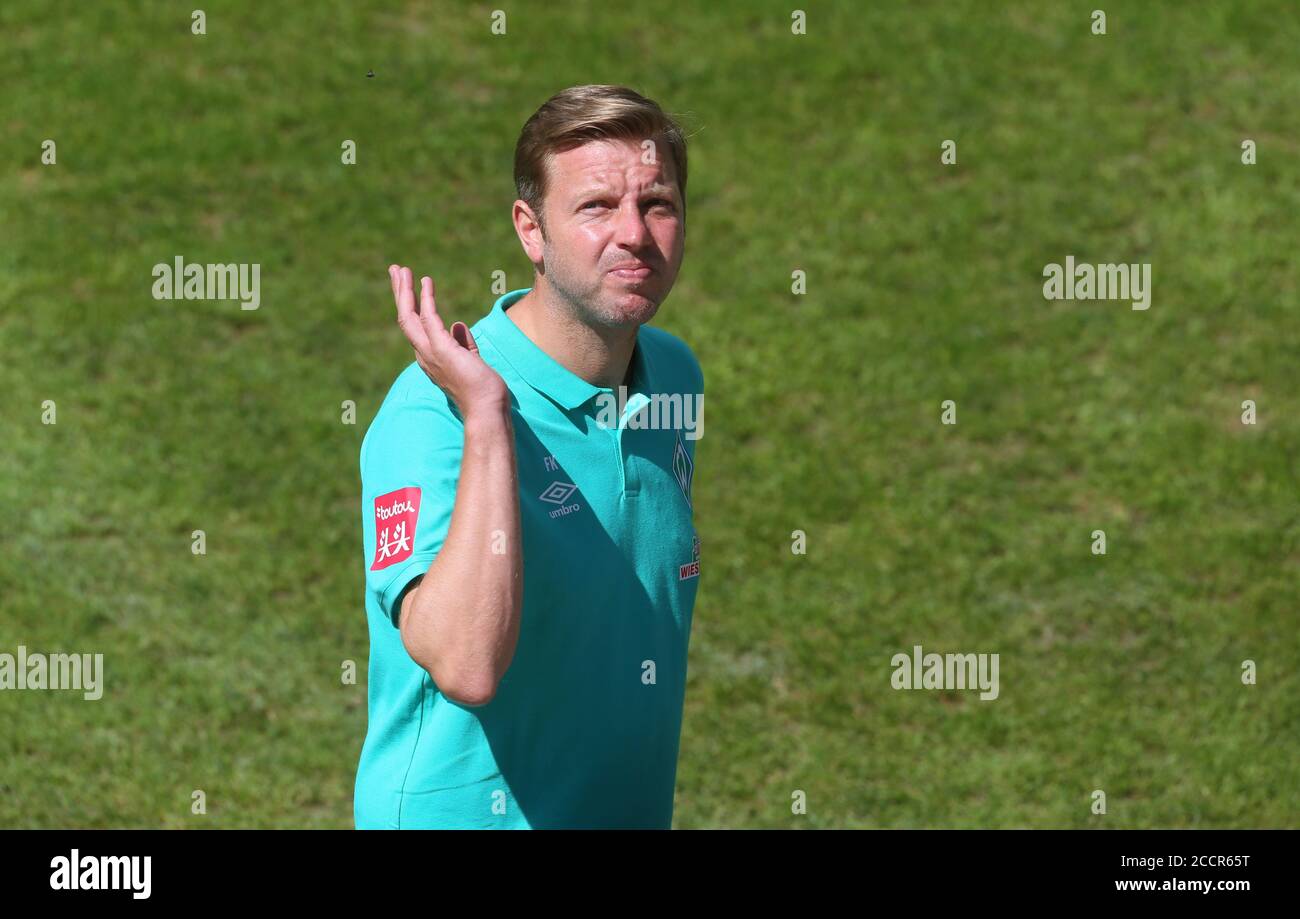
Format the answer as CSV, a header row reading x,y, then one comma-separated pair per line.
x,y
584,728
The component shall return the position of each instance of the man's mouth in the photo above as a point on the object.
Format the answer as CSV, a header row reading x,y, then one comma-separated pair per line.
x,y
632,273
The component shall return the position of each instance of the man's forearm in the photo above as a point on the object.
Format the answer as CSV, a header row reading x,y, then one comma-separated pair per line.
x,y
462,621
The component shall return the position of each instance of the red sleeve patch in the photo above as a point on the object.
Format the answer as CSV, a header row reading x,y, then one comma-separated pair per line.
x,y
395,517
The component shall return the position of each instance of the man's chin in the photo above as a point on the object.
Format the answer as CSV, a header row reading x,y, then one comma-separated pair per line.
x,y
628,308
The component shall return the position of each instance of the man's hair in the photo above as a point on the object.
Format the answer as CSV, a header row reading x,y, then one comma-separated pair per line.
x,y
579,114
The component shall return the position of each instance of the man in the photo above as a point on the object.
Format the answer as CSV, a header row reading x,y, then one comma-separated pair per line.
x,y
531,565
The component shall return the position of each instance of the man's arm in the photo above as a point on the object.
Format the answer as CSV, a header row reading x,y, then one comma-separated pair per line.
x,y
460,621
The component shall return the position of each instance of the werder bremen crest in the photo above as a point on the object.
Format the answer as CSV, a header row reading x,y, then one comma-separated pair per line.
x,y
683,468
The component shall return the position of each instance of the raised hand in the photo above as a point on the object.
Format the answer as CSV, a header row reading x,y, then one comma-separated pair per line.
x,y
450,359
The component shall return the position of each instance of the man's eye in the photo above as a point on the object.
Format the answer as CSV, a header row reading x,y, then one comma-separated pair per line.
x,y
662,202
593,204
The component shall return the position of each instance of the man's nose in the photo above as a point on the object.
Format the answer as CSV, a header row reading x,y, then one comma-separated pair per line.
x,y
631,229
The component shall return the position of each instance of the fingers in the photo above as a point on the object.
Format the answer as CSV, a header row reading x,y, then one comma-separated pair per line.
x,y
423,327
406,318
464,337
429,311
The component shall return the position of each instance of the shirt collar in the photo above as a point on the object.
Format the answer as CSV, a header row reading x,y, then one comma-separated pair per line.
x,y
543,372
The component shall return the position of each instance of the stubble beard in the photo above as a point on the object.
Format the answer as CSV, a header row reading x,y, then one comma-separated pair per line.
x,y
596,305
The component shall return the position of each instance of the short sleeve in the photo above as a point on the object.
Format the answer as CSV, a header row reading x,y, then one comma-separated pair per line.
x,y
410,464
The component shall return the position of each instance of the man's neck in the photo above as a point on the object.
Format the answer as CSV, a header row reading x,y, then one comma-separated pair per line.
x,y
601,356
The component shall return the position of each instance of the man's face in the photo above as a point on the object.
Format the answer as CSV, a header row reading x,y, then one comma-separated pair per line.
x,y
606,210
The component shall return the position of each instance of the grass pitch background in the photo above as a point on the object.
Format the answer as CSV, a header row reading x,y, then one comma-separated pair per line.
x,y
817,152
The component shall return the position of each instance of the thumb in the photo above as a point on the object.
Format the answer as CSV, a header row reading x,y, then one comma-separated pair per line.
x,y
464,338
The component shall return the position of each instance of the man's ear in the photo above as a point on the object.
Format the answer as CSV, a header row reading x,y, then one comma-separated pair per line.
x,y
528,230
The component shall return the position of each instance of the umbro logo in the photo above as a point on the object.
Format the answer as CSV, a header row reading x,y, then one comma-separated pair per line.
x,y
558,493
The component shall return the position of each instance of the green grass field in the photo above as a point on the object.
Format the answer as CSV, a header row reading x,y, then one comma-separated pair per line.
x,y
817,152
